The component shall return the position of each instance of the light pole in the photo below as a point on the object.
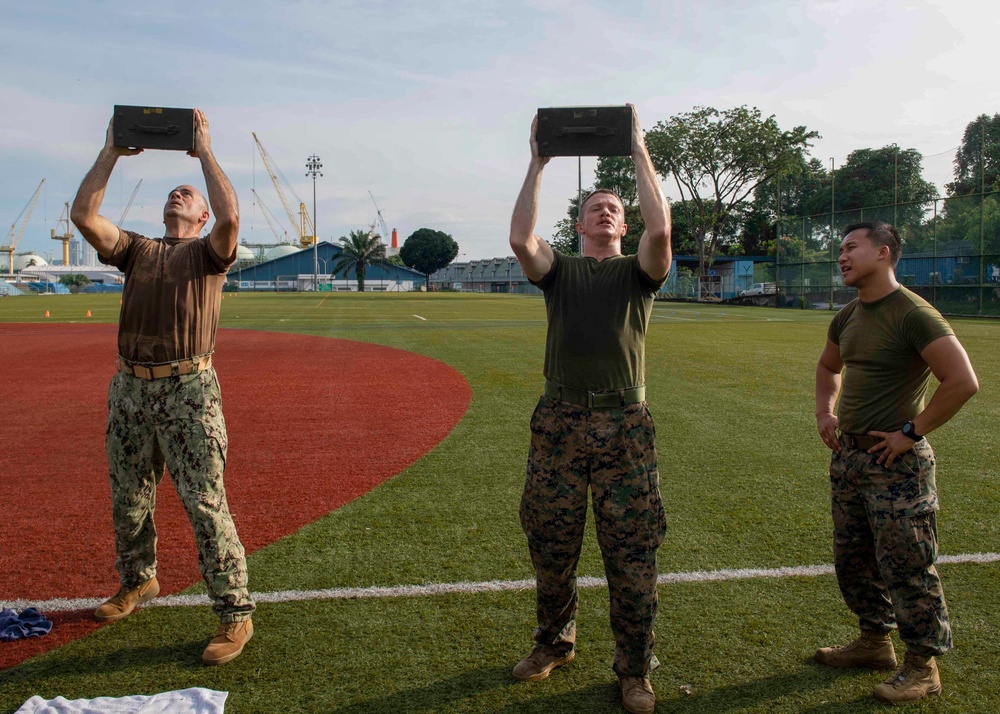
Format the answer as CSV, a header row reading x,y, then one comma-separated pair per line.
x,y
895,184
313,167
326,272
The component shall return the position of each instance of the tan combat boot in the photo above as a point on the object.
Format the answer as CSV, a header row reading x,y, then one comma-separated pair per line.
x,y
540,663
123,602
637,695
228,642
916,679
872,650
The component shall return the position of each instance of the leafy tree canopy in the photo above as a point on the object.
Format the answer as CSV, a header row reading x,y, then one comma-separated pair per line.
x,y
427,250
718,159
976,161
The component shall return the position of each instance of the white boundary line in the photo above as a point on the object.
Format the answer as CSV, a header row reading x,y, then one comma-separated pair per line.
x,y
465,588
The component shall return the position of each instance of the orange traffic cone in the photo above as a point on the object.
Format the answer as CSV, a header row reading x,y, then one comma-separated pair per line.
x,y
46,313
88,313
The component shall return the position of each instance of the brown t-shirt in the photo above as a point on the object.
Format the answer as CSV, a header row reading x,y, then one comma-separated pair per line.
x,y
172,296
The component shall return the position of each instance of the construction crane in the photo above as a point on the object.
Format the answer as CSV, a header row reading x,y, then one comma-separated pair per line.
x,y
303,225
129,204
15,233
272,222
381,220
67,235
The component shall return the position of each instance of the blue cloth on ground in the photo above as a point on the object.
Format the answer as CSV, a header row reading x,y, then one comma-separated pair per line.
x,y
30,623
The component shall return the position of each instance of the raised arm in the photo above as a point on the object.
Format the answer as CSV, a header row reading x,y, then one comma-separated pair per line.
x,y
533,253
98,230
828,382
221,196
654,245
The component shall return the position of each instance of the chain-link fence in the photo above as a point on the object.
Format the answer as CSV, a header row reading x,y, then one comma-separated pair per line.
x,y
951,254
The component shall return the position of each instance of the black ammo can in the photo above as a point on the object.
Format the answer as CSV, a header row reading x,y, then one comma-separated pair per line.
x,y
584,131
154,128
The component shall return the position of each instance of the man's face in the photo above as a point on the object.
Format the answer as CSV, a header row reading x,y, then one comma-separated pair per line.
x,y
186,202
860,257
603,217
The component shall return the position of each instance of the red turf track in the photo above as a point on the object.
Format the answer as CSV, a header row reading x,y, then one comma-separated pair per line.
x,y
313,423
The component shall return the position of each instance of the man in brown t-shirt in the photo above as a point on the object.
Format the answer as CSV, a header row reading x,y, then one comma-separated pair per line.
x,y
164,404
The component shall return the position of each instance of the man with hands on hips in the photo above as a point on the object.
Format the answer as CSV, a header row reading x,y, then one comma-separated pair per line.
x,y
880,353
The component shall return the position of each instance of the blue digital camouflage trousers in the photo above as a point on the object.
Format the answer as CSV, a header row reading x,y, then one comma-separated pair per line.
x,y
885,545
612,452
177,423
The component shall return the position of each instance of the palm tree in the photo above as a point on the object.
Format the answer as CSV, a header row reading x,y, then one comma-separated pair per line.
x,y
359,250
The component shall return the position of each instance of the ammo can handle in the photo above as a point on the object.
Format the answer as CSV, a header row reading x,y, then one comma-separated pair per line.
x,y
146,129
598,130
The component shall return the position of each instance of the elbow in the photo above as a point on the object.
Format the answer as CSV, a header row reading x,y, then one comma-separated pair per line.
x,y
81,218
229,222
971,386
661,235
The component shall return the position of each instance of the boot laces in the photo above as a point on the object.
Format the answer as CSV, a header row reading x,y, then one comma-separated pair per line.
x,y
906,673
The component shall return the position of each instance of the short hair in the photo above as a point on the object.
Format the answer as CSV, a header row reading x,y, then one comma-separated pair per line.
x,y
880,233
593,193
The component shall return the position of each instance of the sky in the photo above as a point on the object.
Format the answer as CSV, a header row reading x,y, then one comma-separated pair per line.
x,y
428,108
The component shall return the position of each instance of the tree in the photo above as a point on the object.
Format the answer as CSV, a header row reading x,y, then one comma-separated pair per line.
x,y
718,159
977,163
427,250
882,177
790,195
566,240
74,281
359,250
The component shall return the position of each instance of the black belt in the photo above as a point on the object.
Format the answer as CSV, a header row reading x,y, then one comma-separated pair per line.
x,y
860,441
608,399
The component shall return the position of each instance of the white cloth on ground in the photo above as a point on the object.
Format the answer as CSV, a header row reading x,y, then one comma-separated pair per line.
x,y
195,700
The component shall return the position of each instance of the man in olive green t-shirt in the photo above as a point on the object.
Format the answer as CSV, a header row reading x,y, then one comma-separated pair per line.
x,y
591,430
881,351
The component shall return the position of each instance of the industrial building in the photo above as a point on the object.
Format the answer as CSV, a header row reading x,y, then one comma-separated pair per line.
x,y
290,268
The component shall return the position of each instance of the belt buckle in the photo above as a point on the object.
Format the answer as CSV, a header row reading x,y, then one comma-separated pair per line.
x,y
175,369
592,399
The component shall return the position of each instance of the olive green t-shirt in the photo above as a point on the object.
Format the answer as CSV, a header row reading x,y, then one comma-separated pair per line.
x,y
597,313
885,379
172,297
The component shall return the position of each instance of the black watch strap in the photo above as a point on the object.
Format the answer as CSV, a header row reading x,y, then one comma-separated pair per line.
x,y
910,431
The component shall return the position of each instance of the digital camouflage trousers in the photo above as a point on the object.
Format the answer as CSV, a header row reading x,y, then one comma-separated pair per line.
x,y
612,453
177,423
885,545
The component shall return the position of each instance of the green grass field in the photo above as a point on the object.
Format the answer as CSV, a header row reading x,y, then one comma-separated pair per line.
x,y
744,480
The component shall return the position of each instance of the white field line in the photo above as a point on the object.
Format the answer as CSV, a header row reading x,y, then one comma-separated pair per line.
x,y
466,588
420,318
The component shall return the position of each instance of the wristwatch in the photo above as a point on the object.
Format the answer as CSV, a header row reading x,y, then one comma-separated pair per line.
x,y
910,431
